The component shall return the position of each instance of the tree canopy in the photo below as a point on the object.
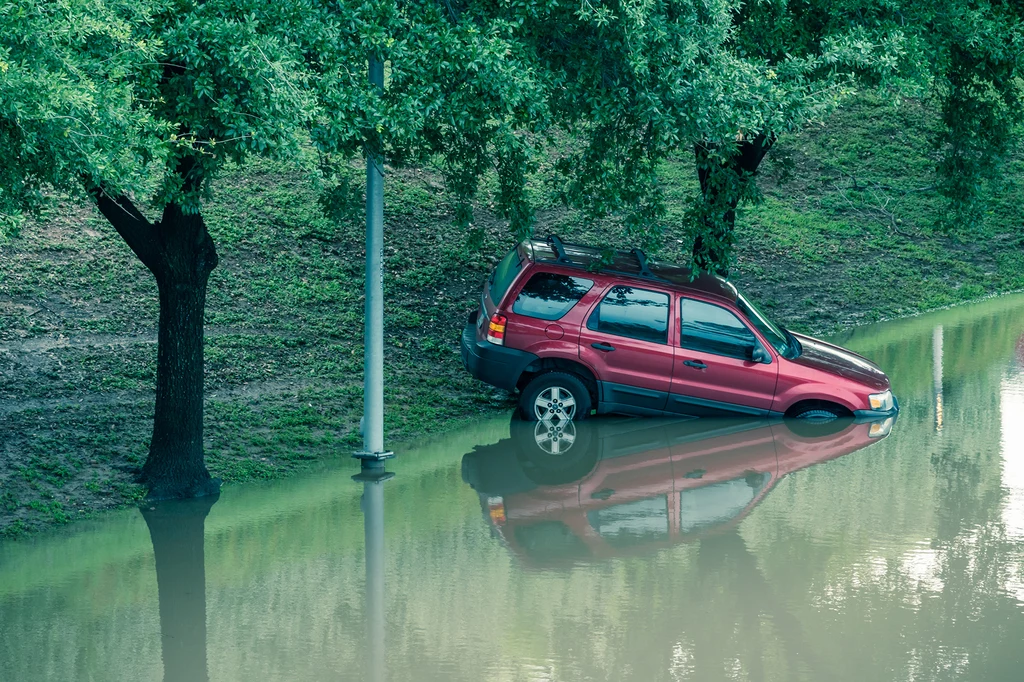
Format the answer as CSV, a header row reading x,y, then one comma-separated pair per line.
x,y
610,90
68,108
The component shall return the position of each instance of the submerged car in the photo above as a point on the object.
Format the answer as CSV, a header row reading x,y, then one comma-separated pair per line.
x,y
577,331
570,492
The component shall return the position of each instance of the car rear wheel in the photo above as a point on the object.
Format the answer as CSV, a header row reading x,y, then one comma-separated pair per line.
x,y
555,397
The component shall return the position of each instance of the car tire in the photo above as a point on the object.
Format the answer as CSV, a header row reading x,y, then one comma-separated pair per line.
x,y
547,393
818,422
818,415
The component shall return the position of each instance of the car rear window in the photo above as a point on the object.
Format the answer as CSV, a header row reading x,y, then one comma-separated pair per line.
x,y
634,313
504,274
549,296
551,541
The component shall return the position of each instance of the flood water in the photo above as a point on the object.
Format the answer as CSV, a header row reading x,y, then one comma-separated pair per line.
x,y
623,549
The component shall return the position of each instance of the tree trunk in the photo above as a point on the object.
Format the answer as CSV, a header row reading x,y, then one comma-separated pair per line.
x,y
175,466
180,253
177,531
738,169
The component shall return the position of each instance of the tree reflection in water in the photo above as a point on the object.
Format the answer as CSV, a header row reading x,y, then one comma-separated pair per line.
x,y
176,528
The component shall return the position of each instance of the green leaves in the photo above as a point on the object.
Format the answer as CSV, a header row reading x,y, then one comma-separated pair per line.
x,y
68,111
598,92
981,95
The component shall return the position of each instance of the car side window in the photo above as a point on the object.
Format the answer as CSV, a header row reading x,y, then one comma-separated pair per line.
x,y
635,313
713,329
549,296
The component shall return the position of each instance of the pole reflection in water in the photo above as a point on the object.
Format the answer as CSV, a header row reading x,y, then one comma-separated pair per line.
x,y
373,476
176,528
937,374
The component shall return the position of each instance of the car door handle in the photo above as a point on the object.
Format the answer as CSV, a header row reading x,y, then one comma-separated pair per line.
x,y
606,347
696,364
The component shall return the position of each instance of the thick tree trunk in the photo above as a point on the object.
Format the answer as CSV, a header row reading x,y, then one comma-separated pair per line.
x,y
177,531
179,252
175,466
748,156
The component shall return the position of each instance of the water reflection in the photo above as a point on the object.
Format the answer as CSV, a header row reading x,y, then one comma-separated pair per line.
x,y
373,476
648,551
559,493
177,530
937,374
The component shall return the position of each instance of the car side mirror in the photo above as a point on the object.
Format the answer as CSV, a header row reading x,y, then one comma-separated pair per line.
x,y
759,354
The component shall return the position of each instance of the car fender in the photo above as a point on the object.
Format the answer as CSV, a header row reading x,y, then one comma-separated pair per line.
x,y
557,351
832,394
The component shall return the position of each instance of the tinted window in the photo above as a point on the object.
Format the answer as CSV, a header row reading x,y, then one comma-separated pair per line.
x,y
631,312
504,275
713,329
549,296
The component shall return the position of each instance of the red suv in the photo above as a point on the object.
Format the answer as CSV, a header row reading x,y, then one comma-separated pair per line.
x,y
576,330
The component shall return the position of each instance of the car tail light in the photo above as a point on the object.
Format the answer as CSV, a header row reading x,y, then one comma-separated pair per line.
x,y
496,329
496,510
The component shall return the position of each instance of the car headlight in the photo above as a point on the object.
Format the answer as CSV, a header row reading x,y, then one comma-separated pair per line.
x,y
881,401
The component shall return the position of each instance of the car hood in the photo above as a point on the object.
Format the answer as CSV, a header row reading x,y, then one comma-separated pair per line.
x,y
836,360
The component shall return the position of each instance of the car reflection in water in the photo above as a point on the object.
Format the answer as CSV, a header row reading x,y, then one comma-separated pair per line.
x,y
559,493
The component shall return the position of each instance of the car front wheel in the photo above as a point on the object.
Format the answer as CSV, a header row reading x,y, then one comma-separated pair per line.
x,y
555,397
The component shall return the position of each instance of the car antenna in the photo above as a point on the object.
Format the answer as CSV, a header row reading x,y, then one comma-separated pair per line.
x,y
641,258
559,249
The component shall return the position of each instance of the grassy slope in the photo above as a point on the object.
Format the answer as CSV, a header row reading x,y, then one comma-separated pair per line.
x,y
845,234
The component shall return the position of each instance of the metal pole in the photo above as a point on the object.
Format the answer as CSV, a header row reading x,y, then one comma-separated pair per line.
x,y
373,334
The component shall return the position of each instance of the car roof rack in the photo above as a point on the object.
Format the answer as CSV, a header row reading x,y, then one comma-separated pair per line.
x,y
559,249
641,259
643,269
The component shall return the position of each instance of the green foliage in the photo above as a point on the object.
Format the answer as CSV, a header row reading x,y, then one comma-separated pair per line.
x,y
68,109
229,82
981,95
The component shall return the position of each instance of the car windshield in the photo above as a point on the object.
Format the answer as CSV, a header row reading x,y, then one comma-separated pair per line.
x,y
784,343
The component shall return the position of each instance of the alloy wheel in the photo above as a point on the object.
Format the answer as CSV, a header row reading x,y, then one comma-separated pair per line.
x,y
555,404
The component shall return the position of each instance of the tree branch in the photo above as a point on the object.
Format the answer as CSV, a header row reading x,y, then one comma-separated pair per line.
x,y
138,232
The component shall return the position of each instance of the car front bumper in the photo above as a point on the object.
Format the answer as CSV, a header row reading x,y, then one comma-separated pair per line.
x,y
872,415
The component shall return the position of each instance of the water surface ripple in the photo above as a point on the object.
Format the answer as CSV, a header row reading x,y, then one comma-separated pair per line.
x,y
621,549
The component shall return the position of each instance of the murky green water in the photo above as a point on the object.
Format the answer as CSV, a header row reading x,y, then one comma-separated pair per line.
x,y
640,550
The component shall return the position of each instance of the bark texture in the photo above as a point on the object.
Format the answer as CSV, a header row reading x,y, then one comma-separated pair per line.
x,y
176,528
180,253
741,165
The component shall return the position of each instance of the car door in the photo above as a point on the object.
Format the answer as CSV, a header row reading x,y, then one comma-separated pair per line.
x,y
625,340
714,371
